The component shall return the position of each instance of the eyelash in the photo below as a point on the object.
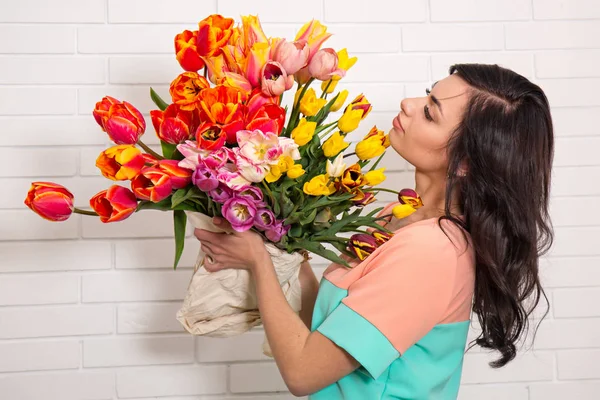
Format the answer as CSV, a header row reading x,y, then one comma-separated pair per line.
x,y
426,108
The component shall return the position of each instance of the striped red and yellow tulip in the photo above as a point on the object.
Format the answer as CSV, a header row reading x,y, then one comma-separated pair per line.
x,y
114,204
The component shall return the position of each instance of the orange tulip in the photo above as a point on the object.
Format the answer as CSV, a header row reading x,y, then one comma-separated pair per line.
x,y
210,136
213,33
123,123
187,52
180,177
114,204
152,184
50,201
186,89
221,106
120,163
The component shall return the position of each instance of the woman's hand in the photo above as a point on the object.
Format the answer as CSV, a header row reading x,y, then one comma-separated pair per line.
x,y
235,250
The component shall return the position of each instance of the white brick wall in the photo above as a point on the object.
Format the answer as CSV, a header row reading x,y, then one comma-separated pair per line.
x,y
87,311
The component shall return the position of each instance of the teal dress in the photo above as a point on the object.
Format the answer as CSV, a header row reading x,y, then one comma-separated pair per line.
x,y
403,314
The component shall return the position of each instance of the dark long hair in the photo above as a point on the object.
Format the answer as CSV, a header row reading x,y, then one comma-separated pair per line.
x,y
506,141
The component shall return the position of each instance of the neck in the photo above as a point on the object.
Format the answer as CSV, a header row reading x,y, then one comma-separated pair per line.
x,y
432,190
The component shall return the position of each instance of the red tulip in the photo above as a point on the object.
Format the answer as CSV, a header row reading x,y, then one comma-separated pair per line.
x,y
174,125
187,52
152,184
114,204
50,201
362,245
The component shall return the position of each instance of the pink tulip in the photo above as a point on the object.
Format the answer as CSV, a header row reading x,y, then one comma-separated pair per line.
x,y
324,65
123,123
292,55
277,231
264,219
274,80
239,212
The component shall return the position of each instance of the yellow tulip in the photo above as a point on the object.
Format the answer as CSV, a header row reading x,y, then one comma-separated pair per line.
x,y
310,104
350,120
328,86
375,177
334,145
373,144
344,62
339,101
295,171
318,186
403,210
274,174
304,132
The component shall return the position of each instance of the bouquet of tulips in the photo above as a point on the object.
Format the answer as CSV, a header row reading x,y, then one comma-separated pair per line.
x,y
227,150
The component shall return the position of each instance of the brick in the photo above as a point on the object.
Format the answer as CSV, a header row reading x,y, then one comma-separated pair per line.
x,y
568,63
111,352
56,70
566,181
574,121
42,11
477,11
375,11
37,39
270,11
26,225
525,368
49,162
247,378
56,321
564,390
154,253
135,286
570,271
521,63
148,318
96,385
580,302
36,356
452,37
574,211
562,9
41,289
109,39
245,347
568,334
176,11
58,131
383,97
552,35
576,241
143,69
578,364
87,160
37,101
171,381
365,39
493,392
136,95
58,255
148,223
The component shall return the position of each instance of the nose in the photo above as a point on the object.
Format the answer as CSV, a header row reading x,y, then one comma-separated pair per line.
x,y
405,106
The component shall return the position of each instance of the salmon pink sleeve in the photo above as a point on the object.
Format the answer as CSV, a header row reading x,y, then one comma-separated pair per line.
x,y
404,292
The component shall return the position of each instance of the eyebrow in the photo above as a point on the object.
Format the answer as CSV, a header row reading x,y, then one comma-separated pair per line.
x,y
435,100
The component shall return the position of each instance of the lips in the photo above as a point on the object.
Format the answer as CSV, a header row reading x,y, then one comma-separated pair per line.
x,y
397,124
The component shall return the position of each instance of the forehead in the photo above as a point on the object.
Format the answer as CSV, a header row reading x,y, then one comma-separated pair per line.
x,y
452,92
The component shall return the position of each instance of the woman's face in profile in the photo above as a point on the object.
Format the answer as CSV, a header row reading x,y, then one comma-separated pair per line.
x,y
423,127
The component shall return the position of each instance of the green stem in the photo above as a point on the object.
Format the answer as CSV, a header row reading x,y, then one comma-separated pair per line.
x,y
376,162
149,150
327,132
349,154
269,192
296,109
324,94
323,127
84,212
380,189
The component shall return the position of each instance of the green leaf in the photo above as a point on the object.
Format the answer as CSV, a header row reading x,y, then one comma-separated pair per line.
x,y
179,220
317,248
308,218
160,103
163,205
184,194
295,231
168,149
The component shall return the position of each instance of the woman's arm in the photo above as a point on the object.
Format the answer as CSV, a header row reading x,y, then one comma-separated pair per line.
x,y
310,288
307,361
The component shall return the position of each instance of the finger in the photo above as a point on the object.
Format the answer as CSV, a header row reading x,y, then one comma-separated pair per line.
x,y
213,267
203,235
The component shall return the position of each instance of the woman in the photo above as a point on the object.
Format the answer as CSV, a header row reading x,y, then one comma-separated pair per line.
x,y
395,325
